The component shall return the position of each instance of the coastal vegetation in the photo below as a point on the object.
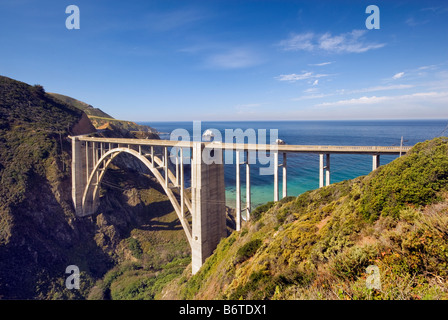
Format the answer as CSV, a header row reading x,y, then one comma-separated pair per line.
x,y
134,229
104,121
318,245
36,219
314,246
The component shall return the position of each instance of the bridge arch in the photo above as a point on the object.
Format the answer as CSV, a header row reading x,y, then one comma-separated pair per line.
x,y
90,198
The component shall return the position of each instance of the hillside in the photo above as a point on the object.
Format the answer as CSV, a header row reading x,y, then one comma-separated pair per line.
x,y
40,235
318,245
87,108
33,129
37,229
105,122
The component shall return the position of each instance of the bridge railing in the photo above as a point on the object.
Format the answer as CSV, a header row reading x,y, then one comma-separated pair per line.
x,y
254,147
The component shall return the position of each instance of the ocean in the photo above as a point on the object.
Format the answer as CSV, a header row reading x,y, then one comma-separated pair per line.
x,y
303,169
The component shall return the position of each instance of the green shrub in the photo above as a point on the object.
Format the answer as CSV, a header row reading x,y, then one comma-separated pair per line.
x,y
258,212
414,179
259,286
248,250
134,246
351,263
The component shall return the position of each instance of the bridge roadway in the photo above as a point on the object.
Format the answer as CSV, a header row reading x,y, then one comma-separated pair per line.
x,y
206,203
392,150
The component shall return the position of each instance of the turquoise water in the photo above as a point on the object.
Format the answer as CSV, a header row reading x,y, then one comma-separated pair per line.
x,y
303,169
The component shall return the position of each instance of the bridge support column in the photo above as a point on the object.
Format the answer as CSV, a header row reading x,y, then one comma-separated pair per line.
x,y
324,169
165,166
78,182
208,201
285,185
375,161
87,161
238,192
275,176
177,168
321,170
248,191
182,183
89,204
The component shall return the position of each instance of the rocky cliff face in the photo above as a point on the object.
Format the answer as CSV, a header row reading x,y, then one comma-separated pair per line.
x,y
83,126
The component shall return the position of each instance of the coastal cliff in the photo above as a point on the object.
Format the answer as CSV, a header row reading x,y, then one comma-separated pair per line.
x,y
40,234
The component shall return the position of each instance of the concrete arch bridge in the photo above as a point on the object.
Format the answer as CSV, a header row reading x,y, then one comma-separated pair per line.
x,y
203,213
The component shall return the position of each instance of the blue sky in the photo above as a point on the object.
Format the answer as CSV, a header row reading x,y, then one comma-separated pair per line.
x,y
234,60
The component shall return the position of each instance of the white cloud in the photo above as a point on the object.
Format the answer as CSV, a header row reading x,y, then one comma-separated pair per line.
x,y
320,64
234,59
350,42
299,42
347,42
380,88
429,67
293,77
313,95
167,21
413,22
436,9
311,90
248,105
421,97
398,75
420,105
362,100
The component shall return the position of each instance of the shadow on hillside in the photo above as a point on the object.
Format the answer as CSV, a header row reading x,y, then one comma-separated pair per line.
x,y
126,214
45,240
160,225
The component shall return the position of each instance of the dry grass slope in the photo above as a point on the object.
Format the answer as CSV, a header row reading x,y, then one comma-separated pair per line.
x,y
318,245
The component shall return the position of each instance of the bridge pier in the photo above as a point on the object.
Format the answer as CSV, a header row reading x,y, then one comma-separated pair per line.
x,y
238,208
324,170
208,202
238,192
248,191
375,161
78,182
283,165
275,176
165,165
182,183
285,177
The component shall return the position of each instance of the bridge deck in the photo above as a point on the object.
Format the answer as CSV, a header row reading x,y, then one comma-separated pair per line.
x,y
328,149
